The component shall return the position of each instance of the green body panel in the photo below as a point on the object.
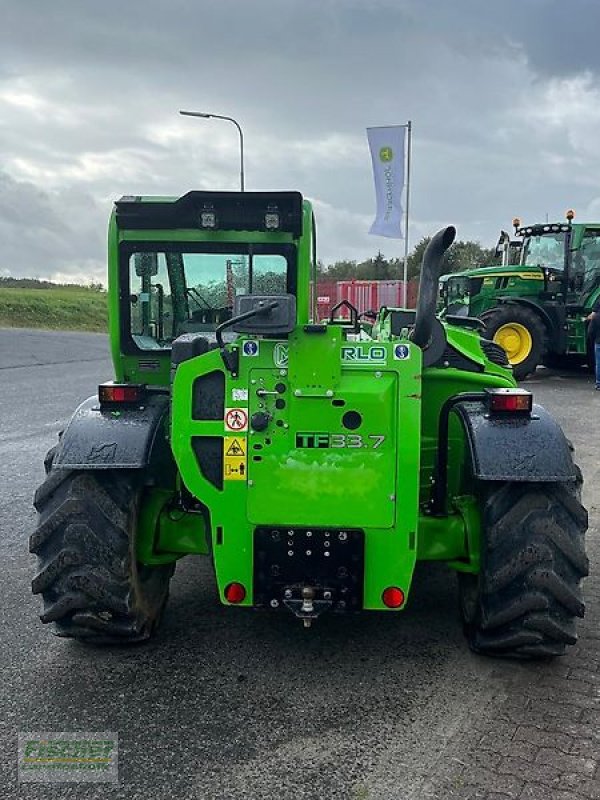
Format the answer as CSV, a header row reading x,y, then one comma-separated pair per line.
x,y
509,281
165,532
363,481
455,538
506,282
310,467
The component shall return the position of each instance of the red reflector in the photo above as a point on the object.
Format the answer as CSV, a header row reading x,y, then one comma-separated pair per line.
x,y
115,393
234,593
515,400
393,597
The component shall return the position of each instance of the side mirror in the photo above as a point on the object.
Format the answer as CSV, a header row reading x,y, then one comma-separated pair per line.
x,y
503,241
146,264
266,319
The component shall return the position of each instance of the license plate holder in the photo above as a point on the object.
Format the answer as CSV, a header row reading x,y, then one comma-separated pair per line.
x,y
328,560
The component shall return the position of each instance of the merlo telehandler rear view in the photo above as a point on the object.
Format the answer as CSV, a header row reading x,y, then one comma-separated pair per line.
x,y
313,463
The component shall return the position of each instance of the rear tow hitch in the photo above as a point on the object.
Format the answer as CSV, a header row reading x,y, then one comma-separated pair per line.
x,y
306,605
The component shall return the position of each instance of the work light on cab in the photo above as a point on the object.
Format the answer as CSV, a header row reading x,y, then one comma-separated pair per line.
x,y
208,219
272,219
513,401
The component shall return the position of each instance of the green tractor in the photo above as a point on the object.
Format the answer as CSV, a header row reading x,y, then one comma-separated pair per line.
x,y
535,309
314,464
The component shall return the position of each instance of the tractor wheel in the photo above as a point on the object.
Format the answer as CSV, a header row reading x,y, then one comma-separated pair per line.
x,y
521,333
561,361
92,586
527,596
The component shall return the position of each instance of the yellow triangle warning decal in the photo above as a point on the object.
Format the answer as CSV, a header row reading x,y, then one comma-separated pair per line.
x,y
236,448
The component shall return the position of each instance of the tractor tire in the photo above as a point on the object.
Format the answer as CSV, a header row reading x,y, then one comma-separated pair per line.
x,y
527,596
92,586
561,361
521,333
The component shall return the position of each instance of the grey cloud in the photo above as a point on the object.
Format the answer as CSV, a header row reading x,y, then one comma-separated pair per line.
x,y
89,94
45,233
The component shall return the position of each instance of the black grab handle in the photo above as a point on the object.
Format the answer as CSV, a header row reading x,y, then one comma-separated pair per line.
x,y
353,314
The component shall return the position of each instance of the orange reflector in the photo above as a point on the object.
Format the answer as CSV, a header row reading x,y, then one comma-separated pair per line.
x,y
120,393
510,400
393,597
234,593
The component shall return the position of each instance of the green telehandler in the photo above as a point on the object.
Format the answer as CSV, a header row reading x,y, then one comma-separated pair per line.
x,y
313,463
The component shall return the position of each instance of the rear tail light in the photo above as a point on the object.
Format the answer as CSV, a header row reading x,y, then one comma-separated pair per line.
x,y
509,401
121,393
393,597
235,593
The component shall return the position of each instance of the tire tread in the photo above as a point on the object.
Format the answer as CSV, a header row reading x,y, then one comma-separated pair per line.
x,y
533,561
87,573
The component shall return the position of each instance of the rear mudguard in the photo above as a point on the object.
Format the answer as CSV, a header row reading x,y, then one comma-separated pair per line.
x,y
113,438
516,448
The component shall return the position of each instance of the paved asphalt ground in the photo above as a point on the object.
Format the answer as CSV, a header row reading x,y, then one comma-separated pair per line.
x,y
232,704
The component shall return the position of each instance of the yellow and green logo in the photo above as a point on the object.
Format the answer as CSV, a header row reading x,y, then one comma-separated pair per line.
x,y
386,154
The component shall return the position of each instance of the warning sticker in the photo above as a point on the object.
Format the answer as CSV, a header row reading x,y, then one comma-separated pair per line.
x,y
236,419
234,446
234,458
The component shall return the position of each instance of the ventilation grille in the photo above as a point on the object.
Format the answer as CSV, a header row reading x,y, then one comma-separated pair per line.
x,y
208,402
495,353
148,365
452,358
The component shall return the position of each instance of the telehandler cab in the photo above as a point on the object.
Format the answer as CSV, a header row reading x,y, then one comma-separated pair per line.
x,y
312,463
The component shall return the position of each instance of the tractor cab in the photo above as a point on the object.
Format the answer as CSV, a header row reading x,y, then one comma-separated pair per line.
x,y
569,257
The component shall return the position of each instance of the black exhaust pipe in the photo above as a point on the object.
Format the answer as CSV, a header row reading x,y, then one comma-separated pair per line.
x,y
431,269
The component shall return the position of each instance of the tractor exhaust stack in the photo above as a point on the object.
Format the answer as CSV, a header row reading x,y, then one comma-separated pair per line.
x,y
428,286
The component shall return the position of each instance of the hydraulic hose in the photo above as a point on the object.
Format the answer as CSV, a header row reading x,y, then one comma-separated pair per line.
x,y
428,286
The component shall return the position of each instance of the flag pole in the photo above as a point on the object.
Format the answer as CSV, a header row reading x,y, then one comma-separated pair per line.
x,y
408,148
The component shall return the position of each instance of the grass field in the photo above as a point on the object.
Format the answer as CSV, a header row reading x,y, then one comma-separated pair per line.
x,y
72,308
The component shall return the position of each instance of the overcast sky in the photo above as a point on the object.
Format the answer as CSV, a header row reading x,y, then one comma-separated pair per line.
x,y
504,97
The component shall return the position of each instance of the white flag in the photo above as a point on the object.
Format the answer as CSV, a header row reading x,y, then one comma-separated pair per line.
x,y
387,155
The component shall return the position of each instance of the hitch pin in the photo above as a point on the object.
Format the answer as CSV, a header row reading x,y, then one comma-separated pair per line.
x,y
308,595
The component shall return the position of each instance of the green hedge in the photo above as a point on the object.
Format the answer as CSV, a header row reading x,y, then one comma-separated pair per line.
x,y
76,309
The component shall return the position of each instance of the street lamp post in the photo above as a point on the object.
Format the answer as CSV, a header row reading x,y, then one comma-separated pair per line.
x,y
229,119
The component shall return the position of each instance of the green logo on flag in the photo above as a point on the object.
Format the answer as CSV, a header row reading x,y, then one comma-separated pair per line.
x,y
386,154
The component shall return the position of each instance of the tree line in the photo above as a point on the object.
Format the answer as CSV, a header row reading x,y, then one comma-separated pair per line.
x,y
7,282
461,255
